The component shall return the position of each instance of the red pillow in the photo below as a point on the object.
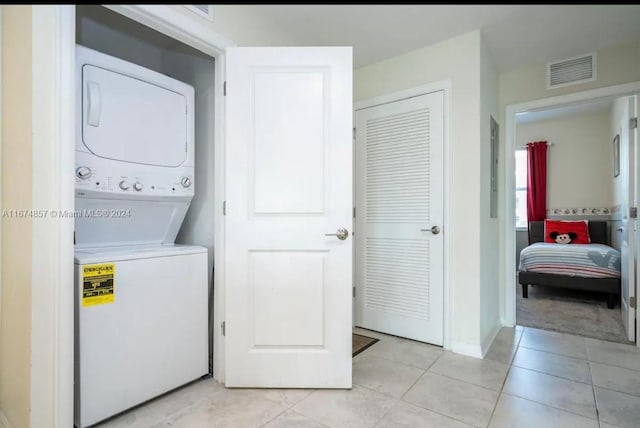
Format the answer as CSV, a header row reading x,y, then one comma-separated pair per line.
x,y
566,232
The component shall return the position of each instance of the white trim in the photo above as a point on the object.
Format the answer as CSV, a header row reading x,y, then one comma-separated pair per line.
x,y
56,108
486,344
447,227
53,47
508,311
220,196
171,21
467,349
442,85
4,422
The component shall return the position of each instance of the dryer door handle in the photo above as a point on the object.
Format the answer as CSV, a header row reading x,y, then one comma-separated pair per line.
x,y
93,98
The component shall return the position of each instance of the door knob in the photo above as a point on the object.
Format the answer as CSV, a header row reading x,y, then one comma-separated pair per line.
x,y
435,230
342,234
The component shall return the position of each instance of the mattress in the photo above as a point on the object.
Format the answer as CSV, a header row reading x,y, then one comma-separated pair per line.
x,y
584,260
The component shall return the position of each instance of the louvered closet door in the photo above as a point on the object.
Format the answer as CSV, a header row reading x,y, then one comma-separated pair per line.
x,y
399,199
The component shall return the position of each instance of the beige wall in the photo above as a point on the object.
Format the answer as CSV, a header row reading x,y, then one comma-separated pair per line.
x,y
615,66
245,26
579,163
15,327
489,285
457,59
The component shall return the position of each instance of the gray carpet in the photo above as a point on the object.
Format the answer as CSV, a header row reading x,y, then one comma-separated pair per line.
x,y
570,311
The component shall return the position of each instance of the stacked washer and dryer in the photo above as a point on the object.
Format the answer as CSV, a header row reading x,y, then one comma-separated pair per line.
x,y
141,300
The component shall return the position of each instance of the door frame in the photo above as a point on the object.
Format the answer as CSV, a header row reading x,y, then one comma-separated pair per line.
x,y
54,39
445,86
508,241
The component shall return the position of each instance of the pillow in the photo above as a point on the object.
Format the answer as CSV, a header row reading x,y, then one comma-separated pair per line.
x,y
566,231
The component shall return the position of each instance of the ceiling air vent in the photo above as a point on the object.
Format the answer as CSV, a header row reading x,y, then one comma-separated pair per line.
x,y
204,10
579,69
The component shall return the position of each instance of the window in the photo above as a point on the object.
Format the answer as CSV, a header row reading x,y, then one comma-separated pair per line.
x,y
521,189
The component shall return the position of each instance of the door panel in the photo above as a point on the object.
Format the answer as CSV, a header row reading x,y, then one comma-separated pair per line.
x,y
289,171
399,188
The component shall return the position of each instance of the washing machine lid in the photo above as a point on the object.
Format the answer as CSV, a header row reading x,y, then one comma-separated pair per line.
x,y
132,120
133,252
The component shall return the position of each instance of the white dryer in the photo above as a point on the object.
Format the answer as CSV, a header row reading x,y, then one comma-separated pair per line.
x,y
141,312
134,152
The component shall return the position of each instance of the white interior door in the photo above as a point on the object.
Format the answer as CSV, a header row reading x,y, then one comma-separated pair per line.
x,y
628,225
289,184
399,217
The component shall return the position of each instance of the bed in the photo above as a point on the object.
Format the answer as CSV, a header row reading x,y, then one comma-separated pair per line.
x,y
543,264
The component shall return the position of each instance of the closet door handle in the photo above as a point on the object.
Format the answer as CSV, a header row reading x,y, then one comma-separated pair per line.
x,y
93,98
435,230
619,229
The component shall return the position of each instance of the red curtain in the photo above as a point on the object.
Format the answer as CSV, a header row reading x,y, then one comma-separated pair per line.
x,y
536,180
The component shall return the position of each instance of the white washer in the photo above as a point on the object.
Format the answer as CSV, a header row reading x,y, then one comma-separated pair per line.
x,y
150,339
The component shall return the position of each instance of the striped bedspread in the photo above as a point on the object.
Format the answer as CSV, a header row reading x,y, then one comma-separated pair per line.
x,y
585,260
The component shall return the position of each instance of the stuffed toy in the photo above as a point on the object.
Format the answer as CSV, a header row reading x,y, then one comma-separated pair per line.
x,y
563,238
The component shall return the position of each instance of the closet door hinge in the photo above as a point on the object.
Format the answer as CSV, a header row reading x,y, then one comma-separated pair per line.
x,y
223,326
633,123
632,302
224,88
354,133
354,212
633,212
354,291
224,207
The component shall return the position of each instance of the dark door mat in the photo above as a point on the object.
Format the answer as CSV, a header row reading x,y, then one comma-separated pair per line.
x,y
360,343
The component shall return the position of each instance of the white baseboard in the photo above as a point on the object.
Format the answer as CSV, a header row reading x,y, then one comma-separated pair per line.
x,y
468,349
486,344
4,422
476,350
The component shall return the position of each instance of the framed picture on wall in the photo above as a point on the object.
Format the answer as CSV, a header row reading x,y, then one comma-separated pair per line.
x,y
616,156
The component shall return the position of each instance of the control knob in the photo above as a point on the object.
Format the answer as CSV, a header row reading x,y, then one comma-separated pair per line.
x,y
186,182
124,185
83,172
138,186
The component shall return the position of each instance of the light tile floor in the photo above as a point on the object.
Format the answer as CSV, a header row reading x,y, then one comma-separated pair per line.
x,y
529,378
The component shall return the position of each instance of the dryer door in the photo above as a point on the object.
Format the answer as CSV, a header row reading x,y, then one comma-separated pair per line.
x,y
121,118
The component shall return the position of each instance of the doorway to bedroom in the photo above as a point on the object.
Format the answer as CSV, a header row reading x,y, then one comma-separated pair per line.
x,y
574,238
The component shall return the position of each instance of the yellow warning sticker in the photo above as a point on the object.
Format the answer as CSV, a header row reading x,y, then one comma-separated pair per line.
x,y
98,284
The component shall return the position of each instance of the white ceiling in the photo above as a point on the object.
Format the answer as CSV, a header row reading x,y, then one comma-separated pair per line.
x,y
516,35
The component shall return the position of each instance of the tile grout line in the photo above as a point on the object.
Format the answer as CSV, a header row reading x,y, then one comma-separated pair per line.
x,y
593,385
504,381
528,399
554,375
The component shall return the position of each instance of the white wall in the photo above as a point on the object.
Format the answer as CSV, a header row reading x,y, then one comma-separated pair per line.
x,y
457,59
579,163
198,225
489,286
